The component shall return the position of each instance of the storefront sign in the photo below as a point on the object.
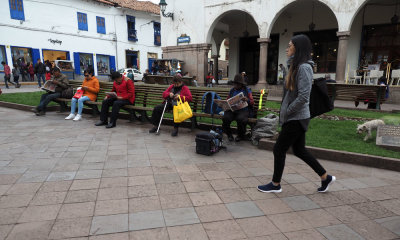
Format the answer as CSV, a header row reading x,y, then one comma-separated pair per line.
x,y
185,39
54,41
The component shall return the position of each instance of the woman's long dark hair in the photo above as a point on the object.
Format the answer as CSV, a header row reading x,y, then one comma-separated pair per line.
x,y
302,45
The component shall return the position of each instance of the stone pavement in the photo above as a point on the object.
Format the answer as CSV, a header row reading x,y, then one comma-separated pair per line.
x,y
71,180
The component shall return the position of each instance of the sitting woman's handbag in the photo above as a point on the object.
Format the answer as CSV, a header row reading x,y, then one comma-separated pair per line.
x,y
182,111
79,93
67,93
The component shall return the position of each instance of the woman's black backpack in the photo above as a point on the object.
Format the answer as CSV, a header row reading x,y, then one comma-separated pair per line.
x,y
320,102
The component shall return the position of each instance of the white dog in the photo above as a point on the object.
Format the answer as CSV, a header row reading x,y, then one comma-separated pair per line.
x,y
369,126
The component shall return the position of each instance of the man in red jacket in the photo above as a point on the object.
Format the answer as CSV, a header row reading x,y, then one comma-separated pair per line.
x,y
171,96
122,93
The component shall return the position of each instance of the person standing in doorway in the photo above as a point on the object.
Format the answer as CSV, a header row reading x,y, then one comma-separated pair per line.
x,y
15,73
23,69
7,74
40,70
31,72
282,74
295,115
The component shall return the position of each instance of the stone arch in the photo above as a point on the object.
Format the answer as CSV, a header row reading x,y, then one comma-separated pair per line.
x,y
294,2
218,18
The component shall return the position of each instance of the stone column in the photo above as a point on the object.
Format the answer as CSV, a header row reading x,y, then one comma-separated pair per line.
x,y
342,55
215,68
262,74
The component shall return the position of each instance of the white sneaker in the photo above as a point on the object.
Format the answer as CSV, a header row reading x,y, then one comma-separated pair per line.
x,y
70,116
78,117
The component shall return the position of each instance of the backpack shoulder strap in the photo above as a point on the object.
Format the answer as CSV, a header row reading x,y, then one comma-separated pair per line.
x,y
202,100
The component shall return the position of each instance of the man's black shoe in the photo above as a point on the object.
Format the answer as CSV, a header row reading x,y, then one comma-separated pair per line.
x,y
175,132
230,138
239,138
110,125
153,130
41,113
101,123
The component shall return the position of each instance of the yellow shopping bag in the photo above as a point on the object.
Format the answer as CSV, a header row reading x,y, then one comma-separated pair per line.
x,y
182,111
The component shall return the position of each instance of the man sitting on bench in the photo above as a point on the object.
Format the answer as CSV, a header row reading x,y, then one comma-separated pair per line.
x,y
242,115
124,90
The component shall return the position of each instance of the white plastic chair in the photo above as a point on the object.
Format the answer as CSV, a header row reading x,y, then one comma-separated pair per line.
x,y
353,78
372,79
395,76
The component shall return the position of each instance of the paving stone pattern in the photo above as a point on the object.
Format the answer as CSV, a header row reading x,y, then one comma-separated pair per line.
x,y
71,180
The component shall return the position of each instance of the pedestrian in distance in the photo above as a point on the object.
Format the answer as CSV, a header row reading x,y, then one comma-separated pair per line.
x,y
31,72
15,73
40,70
295,115
91,87
122,93
7,74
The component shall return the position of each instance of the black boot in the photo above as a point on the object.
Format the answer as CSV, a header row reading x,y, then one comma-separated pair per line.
x,y
101,123
175,132
111,125
153,130
230,137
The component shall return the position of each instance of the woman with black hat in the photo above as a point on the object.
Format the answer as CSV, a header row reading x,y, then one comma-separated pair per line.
x,y
240,116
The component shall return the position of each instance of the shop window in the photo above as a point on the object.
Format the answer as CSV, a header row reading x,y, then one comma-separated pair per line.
x,y
325,44
157,34
82,62
103,64
3,57
101,25
380,44
130,20
21,55
82,21
17,9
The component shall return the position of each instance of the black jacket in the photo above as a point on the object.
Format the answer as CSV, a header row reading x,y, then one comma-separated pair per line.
x,y
40,68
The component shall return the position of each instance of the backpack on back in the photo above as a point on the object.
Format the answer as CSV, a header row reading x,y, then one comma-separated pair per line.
x,y
210,106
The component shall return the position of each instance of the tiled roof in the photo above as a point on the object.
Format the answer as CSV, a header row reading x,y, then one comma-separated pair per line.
x,y
143,6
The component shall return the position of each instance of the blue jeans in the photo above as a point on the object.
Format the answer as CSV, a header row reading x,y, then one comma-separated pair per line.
x,y
40,76
80,104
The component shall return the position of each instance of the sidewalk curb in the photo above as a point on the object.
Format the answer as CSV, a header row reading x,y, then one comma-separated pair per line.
x,y
342,156
24,107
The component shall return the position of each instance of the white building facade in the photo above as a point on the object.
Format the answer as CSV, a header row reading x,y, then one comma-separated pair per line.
x,y
345,34
104,34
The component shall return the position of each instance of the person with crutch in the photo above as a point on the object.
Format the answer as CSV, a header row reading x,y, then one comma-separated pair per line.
x,y
171,95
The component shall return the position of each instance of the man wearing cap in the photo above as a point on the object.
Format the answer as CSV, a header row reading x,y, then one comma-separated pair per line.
x,y
240,116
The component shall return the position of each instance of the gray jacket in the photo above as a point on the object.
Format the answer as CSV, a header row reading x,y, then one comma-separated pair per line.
x,y
295,104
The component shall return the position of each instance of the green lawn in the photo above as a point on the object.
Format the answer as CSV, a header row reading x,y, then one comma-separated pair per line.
x,y
337,135
341,135
30,98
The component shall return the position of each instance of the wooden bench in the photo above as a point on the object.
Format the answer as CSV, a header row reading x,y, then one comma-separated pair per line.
x,y
357,92
166,80
147,96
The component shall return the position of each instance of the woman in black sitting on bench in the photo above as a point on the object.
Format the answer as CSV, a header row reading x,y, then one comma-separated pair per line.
x,y
171,96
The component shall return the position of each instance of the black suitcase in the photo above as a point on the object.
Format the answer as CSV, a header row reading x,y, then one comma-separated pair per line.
x,y
208,143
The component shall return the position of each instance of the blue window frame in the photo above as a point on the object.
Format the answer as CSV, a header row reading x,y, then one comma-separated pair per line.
x,y
3,57
130,21
157,34
82,21
17,9
101,25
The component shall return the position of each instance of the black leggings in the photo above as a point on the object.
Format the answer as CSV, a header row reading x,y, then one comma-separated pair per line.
x,y
293,134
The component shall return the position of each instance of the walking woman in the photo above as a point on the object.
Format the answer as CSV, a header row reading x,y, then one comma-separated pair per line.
x,y
295,115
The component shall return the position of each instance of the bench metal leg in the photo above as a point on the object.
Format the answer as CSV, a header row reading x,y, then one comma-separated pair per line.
x,y
95,111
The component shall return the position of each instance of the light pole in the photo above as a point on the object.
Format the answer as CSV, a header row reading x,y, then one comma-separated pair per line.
x,y
163,6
